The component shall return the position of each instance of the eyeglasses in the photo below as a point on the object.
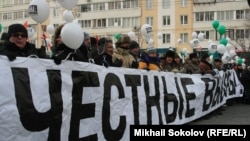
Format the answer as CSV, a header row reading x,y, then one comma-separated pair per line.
x,y
17,35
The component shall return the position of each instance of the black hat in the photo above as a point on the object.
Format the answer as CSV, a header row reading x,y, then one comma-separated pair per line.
x,y
133,44
170,54
205,56
14,28
217,60
192,55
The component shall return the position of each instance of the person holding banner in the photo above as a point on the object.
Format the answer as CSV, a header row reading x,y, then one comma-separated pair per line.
x,y
192,64
205,65
16,43
168,61
150,60
105,51
62,52
121,56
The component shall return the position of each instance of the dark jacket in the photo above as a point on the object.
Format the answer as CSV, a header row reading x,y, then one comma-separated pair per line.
x,y
12,51
62,52
103,59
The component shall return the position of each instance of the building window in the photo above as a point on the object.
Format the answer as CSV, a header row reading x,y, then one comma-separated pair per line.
x,y
204,16
149,4
242,14
184,19
130,22
149,20
225,15
114,5
114,22
84,8
240,33
209,16
85,23
130,3
184,37
166,38
165,4
166,20
99,6
183,3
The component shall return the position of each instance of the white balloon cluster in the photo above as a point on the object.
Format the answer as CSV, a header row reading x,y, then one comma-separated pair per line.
x,y
71,33
197,38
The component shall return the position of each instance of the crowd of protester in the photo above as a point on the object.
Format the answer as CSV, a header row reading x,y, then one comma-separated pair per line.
x,y
126,53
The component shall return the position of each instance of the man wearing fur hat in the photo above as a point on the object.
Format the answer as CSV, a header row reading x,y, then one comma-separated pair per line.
x,y
121,56
16,44
192,65
168,61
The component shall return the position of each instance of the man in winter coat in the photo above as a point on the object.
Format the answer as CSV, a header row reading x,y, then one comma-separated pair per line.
x,y
16,43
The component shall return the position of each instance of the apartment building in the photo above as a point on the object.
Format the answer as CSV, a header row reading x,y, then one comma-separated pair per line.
x,y
174,19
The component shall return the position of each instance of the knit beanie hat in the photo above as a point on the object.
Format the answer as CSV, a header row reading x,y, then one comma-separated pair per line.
x,y
133,44
193,55
151,50
14,28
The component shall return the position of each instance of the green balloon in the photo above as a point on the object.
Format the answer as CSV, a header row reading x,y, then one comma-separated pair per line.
x,y
221,29
223,41
240,61
1,27
215,24
117,36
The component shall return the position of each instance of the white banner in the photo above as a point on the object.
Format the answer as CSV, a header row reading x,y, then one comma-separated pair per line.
x,y
41,101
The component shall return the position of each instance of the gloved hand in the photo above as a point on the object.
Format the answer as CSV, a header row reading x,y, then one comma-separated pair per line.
x,y
11,56
203,72
189,72
213,73
57,60
105,63
134,65
117,63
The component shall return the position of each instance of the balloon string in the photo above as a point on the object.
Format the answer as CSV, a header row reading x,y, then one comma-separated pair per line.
x,y
44,38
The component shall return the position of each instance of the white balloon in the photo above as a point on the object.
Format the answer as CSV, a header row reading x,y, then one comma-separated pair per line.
x,y
31,32
68,4
72,35
194,35
68,16
225,59
39,10
179,41
151,42
146,31
131,34
159,35
201,36
232,53
50,28
221,49
211,59
228,47
212,47
209,41
194,43
76,21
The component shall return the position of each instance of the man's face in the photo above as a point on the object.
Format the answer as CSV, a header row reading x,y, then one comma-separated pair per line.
x,y
87,42
19,39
